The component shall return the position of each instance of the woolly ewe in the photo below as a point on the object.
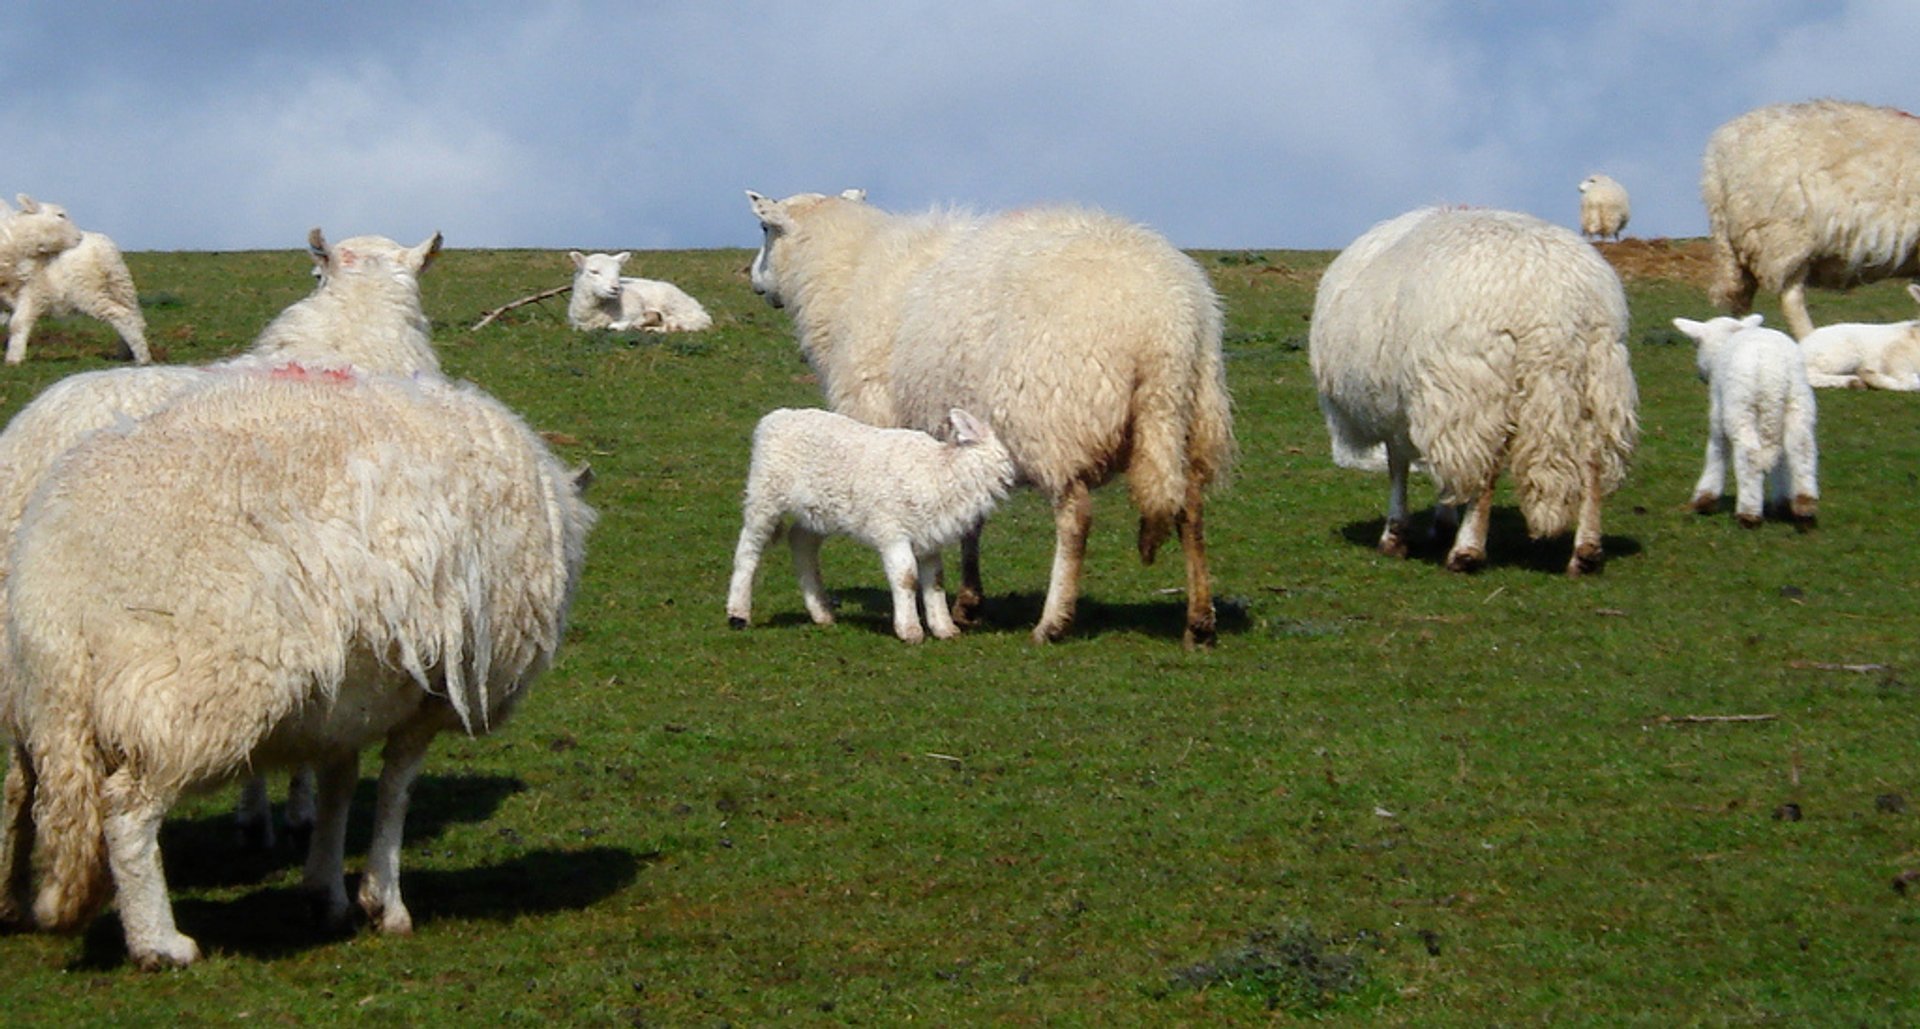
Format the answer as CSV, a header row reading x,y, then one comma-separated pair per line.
x,y
602,299
1603,207
280,567
899,491
1478,340
1822,193
1761,413
1091,345
1853,355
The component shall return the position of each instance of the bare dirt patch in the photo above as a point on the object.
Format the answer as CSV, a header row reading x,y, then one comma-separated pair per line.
x,y
1682,260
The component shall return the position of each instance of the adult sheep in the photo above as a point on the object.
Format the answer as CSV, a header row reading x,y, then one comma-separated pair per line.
x,y
1820,193
279,567
1479,340
89,278
1091,345
1603,207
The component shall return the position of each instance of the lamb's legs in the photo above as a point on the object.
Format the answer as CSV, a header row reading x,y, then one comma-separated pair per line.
x,y
933,596
806,567
1802,469
1586,532
755,532
133,332
20,327
1072,514
1393,538
16,838
132,829
1200,631
1469,551
325,877
1749,487
405,752
1706,492
972,596
897,560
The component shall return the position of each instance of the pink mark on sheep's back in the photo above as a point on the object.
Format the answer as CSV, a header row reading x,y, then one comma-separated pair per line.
x,y
296,372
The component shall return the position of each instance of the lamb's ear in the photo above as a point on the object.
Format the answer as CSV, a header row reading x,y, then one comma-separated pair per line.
x,y
621,257
4,209
317,246
966,428
1689,326
856,195
579,259
768,210
1913,290
27,204
419,257
1751,321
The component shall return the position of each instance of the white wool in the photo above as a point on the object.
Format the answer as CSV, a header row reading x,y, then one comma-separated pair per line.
x,y
1603,207
1092,346
279,567
603,299
900,491
89,278
1822,193
1479,340
365,312
29,238
1760,415
1855,355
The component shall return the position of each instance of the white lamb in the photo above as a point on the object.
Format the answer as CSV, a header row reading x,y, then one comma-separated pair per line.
x,y
1821,193
1761,409
280,567
89,278
1477,340
1090,344
602,299
900,491
29,238
365,312
1854,355
1603,207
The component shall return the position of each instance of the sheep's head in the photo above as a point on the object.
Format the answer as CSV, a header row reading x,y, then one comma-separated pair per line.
x,y
1712,335
369,256
778,221
41,230
597,275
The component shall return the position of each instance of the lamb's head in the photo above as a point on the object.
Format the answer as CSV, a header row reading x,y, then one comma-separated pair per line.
x,y
975,437
1711,336
370,257
1591,181
780,220
39,230
597,275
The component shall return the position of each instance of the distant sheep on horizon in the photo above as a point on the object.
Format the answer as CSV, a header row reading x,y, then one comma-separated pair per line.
x,y
1603,207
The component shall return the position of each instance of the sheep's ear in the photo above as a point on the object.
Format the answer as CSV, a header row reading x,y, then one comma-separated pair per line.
x,y
419,257
582,478
27,204
317,246
1751,321
579,259
768,210
1913,290
966,428
856,195
1689,326
621,257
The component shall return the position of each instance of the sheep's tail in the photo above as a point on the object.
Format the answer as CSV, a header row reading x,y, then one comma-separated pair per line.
x,y
1574,412
69,817
1182,430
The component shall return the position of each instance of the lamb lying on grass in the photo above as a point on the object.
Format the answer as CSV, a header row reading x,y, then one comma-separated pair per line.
x,y
1853,355
89,278
899,491
602,299
280,567
1761,409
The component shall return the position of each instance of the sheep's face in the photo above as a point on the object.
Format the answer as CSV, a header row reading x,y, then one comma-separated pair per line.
x,y
774,224
598,275
41,229
366,256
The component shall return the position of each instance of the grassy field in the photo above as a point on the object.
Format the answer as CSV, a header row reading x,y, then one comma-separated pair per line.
x,y
1390,794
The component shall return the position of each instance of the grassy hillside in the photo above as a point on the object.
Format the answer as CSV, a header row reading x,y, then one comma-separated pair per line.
x,y
1391,793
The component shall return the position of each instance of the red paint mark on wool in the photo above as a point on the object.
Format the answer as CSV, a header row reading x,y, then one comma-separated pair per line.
x,y
301,373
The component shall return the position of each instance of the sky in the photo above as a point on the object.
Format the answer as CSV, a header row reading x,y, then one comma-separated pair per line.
x,y
239,125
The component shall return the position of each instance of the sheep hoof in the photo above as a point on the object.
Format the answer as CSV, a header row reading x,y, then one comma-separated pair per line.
x,y
1586,561
1044,633
1704,503
1468,560
1200,636
1806,509
1393,542
967,608
176,952
915,635
736,622
1748,521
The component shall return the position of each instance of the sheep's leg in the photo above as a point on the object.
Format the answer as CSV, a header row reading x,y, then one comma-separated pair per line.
x,y
1749,482
1793,305
405,752
1072,515
25,314
755,532
1802,470
132,829
16,839
973,595
1706,492
133,334
299,815
897,560
325,877
1201,630
933,596
1587,554
253,814
1393,538
806,566
1469,551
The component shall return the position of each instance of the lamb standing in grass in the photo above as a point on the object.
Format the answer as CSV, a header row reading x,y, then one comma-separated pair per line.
x,y
1853,355
1761,413
899,491
1603,207
1478,340
602,299
29,238
1091,345
1822,193
279,567
89,278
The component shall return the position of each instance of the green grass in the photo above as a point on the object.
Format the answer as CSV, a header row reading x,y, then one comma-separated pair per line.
x,y
1390,794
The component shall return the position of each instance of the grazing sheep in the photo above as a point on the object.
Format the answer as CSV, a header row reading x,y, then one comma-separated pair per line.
x,y
602,299
1603,208
1821,193
1852,355
29,238
1477,339
899,491
1760,408
89,278
1091,345
365,311
280,567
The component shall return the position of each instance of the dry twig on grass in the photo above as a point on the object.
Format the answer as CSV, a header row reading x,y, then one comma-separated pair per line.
x,y
1709,719
522,302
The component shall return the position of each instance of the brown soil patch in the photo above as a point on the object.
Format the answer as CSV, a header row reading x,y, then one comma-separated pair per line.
x,y
1682,260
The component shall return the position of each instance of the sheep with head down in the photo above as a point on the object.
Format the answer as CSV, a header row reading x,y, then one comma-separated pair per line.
x,y
1603,207
281,566
1479,341
1091,346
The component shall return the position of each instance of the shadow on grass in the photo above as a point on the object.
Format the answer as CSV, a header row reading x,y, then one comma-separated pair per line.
x,y
1508,544
1166,616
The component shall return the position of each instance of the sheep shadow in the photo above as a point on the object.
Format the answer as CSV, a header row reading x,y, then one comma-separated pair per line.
x,y
278,922
1018,613
1508,544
